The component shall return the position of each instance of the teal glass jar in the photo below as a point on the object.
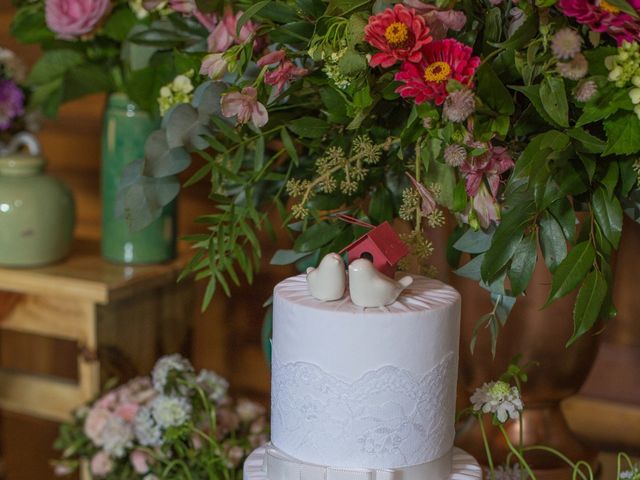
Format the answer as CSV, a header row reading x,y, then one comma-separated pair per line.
x,y
125,130
37,212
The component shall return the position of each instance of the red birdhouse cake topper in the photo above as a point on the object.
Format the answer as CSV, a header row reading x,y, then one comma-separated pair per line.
x,y
381,245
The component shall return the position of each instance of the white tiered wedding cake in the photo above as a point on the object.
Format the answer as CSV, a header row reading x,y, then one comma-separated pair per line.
x,y
363,393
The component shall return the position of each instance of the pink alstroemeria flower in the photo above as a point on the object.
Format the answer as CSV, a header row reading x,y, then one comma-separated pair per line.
x,y
490,166
223,35
428,202
284,72
214,66
486,207
244,105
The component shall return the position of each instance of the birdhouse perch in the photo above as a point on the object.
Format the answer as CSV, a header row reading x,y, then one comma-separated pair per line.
x,y
382,246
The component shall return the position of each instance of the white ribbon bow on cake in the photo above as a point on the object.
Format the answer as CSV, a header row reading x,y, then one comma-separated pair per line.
x,y
280,466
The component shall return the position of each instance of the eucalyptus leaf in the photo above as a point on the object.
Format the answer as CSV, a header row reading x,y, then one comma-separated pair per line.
x,y
475,241
471,269
142,202
160,159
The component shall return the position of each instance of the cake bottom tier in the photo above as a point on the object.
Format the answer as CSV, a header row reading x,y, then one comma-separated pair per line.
x,y
269,463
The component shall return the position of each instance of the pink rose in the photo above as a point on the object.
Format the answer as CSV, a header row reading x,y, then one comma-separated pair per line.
x,y
127,411
245,107
95,423
140,461
101,464
70,19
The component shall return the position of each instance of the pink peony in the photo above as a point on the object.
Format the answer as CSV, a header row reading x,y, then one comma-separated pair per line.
x,y
71,19
140,461
245,107
442,61
603,16
127,411
490,165
438,21
101,464
399,34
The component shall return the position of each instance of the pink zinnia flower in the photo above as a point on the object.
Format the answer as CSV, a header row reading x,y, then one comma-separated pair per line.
x,y
245,107
438,21
399,34
442,60
491,165
70,19
603,16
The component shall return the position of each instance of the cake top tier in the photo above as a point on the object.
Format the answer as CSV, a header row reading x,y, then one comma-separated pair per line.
x,y
423,294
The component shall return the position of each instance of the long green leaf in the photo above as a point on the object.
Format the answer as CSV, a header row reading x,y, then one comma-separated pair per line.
x,y
572,270
608,213
554,100
523,263
588,304
249,13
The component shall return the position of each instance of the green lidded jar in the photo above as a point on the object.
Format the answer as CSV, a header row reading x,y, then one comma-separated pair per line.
x,y
37,211
125,130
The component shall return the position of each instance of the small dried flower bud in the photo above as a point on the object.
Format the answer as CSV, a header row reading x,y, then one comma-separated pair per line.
x,y
459,105
566,44
455,155
575,69
586,91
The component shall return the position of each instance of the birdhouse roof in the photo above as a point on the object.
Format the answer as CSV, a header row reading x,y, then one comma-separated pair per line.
x,y
387,240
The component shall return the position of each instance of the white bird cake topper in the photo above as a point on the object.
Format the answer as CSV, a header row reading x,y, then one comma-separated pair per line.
x,y
370,288
329,280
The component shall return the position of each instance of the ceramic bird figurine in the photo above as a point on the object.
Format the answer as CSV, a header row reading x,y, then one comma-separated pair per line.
x,y
329,280
370,288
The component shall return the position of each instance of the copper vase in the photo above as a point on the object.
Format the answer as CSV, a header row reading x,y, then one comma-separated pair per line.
x,y
556,371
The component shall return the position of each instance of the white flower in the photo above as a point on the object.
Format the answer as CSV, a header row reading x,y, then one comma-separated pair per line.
x,y
165,365
499,398
117,436
213,385
146,429
632,474
249,411
180,90
170,411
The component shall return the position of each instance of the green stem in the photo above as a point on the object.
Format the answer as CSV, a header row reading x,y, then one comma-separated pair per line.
x,y
486,448
515,451
560,455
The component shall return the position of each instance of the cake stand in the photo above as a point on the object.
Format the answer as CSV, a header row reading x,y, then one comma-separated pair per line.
x,y
464,466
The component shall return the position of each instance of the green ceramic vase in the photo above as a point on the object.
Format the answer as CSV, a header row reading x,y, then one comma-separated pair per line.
x,y
125,130
37,213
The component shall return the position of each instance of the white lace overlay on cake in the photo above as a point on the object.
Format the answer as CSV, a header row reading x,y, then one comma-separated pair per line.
x,y
387,418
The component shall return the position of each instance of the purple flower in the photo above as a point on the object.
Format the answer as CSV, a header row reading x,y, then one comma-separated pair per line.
x,y
11,103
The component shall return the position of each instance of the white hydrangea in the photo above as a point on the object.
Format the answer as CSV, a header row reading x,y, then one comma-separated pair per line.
x,y
214,385
146,429
498,398
165,365
170,411
117,436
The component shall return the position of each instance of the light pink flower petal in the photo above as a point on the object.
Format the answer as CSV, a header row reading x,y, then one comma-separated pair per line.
x,y
259,115
271,58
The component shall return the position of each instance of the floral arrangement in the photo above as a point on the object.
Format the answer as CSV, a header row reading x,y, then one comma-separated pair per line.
x,y
174,424
14,116
501,401
518,118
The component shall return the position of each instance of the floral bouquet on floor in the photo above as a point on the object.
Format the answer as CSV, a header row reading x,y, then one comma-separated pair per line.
x,y
175,424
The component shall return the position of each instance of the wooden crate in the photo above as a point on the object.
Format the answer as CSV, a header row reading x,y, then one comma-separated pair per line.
x,y
121,319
